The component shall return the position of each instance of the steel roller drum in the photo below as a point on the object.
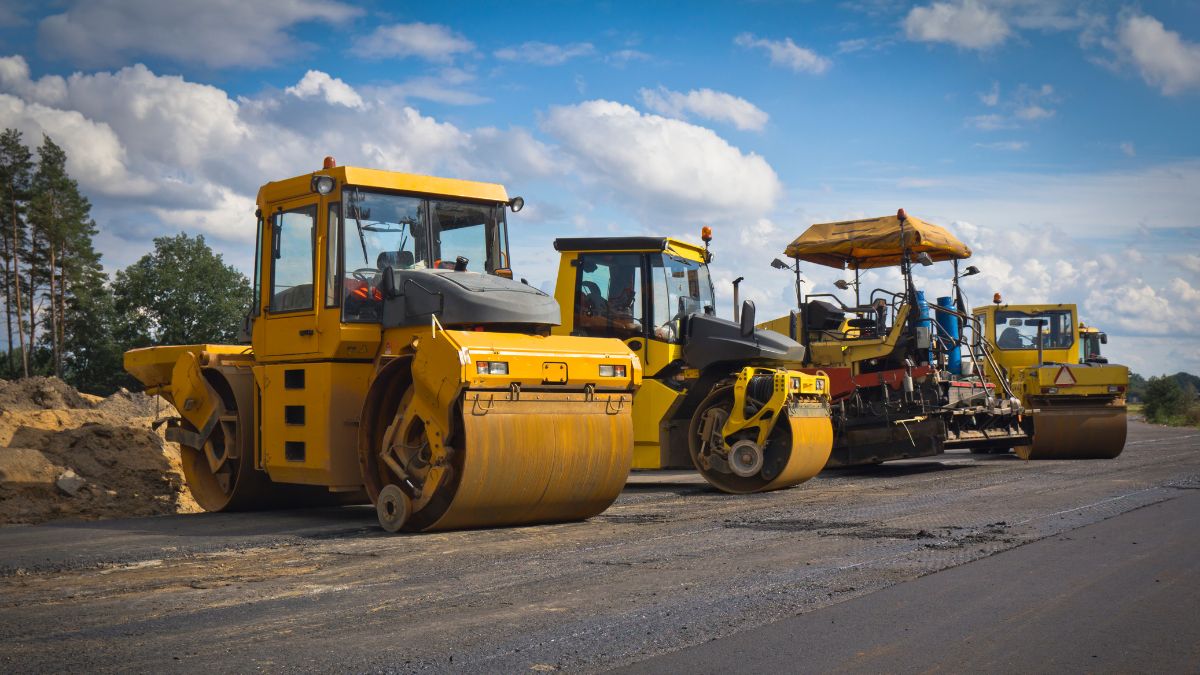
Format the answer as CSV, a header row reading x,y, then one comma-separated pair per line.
x,y
808,433
545,458
1076,433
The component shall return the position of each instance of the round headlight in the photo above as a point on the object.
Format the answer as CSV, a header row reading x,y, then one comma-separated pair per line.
x,y
322,185
516,204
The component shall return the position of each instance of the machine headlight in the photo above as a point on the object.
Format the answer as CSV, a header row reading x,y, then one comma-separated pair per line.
x,y
1051,390
820,385
491,367
612,370
795,384
1115,389
322,185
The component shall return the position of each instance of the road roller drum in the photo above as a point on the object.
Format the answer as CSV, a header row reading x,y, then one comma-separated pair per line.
x,y
1076,432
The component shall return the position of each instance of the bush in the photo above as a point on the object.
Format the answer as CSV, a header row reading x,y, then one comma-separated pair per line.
x,y
1166,402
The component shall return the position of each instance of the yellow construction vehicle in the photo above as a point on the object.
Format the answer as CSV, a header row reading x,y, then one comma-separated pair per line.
x,y
717,395
894,396
391,357
1077,397
1090,339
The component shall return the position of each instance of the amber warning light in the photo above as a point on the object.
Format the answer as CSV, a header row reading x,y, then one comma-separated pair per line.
x,y
329,163
706,234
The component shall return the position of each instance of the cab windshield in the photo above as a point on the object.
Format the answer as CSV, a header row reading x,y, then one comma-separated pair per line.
x,y
680,287
1019,330
381,230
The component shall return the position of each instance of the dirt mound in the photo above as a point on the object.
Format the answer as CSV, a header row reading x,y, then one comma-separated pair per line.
x,y
69,455
40,393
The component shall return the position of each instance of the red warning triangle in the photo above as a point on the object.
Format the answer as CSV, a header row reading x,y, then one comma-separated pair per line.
x,y
1064,377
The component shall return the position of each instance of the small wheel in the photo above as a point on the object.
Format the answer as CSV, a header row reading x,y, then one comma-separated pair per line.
x,y
393,508
745,458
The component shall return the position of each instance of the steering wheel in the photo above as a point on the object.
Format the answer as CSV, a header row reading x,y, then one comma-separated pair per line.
x,y
365,274
591,293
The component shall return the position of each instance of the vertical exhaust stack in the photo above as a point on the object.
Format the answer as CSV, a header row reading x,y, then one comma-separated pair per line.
x,y
737,307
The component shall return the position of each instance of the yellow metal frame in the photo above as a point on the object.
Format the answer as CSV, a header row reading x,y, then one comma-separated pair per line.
x,y
788,386
850,353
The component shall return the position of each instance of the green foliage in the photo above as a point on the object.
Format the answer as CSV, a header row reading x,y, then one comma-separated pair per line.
x,y
1166,402
1136,393
182,293
16,177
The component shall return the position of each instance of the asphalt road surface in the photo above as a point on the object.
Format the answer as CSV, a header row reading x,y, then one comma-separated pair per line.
x,y
671,574
1117,596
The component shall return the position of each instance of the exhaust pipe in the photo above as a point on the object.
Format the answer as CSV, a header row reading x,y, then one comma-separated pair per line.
x,y
737,306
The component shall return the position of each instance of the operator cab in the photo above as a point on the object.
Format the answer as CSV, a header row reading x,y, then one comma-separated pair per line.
x,y
332,244
626,293
1090,340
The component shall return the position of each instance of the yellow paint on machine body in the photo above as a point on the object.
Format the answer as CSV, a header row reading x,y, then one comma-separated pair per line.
x,y
367,378
1080,400
642,290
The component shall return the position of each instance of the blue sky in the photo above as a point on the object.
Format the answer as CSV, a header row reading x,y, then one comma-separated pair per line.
x,y
1058,138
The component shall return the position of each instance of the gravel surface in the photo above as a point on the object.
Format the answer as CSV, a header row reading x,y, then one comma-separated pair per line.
x,y
670,565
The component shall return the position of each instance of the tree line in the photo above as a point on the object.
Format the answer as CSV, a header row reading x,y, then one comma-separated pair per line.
x,y
63,316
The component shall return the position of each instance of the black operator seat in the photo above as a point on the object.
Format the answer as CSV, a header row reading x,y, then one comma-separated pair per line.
x,y
1010,338
823,318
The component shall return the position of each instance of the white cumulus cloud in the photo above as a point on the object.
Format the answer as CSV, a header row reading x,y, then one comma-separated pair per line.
x,y
707,104
332,89
159,154
786,53
968,24
1164,59
662,166
429,41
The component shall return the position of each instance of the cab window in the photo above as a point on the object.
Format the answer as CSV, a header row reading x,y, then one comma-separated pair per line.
x,y
1019,330
472,231
608,298
379,231
680,288
292,269
333,295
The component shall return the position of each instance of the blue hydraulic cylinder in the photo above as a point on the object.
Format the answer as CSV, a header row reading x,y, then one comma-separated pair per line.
x,y
949,335
923,309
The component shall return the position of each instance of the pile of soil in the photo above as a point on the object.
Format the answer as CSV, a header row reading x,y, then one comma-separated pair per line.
x,y
64,454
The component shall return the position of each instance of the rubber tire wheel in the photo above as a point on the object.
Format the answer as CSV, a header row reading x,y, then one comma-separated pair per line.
x,y
393,508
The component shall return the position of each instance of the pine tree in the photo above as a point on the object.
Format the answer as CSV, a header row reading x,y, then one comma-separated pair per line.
x,y
16,168
63,256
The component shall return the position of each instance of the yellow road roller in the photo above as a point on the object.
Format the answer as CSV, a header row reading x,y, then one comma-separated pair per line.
x,y
391,357
1077,396
718,395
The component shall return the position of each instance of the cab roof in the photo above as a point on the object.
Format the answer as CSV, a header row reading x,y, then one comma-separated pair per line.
x,y
678,247
299,186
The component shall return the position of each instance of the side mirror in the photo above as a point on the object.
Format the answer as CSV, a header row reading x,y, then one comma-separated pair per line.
x,y
1104,338
748,318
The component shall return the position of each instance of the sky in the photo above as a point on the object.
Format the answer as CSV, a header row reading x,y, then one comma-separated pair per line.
x,y
1059,139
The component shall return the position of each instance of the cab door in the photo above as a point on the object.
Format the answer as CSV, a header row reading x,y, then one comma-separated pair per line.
x,y
289,320
610,298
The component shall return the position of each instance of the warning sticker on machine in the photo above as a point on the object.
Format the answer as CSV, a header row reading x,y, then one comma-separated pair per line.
x,y
1064,377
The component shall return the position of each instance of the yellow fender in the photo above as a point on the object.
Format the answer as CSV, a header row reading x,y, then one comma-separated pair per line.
x,y
195,399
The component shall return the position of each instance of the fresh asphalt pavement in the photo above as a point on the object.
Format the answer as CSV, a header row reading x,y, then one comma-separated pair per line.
x,y
955,562
1121,595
